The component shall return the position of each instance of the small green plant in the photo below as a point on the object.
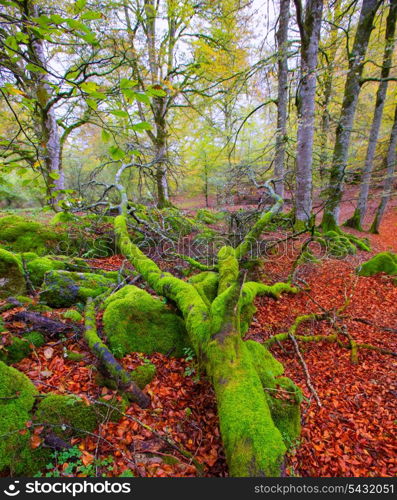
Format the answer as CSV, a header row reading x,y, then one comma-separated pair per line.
x,y
73,457
192,368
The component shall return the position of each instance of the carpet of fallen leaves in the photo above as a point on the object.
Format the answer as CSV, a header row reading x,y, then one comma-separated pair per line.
x,y
351,434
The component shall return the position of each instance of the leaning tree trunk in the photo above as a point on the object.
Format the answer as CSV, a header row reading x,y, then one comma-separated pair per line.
x,y
357,219
391,160
254,424
310,34
343,131
282,96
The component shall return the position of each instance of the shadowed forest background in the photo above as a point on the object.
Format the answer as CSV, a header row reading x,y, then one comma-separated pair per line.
x,y
198,260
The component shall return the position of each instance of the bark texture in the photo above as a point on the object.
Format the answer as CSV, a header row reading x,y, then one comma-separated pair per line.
x,y
309,27
282,96
357,219
388,185
348,110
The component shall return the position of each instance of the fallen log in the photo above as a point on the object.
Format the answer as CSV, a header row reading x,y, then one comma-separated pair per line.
x,y
48,326
253,442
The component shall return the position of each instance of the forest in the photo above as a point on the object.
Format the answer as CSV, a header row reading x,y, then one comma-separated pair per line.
x,y
198,252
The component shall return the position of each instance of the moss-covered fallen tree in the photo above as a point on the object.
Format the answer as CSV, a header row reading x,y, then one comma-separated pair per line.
x,y
258,409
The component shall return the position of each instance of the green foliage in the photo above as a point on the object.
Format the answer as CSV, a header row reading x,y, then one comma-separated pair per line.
x,y
135,321
75,467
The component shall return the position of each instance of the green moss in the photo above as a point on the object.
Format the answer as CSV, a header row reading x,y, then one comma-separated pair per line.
x,y
17,350
64,288
37,339
12,281
252,443
206,283
206,216
135,321
66,416
143,375
37,267
74,356
282,395
17,397
63,217
23,235
384,262
73,315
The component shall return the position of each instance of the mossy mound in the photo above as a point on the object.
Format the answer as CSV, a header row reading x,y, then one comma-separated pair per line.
x,y
37,267
135,321
22,235
19,348
207,216
384,262
340,244
12,281
64,288
17,397
66,416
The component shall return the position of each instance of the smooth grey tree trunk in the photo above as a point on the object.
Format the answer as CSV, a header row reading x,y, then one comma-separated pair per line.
x,y
328,78
359,214
49,144
282,97
391,162
310,27
348,110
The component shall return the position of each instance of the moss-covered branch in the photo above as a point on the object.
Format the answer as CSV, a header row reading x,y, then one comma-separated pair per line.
x,y
113,369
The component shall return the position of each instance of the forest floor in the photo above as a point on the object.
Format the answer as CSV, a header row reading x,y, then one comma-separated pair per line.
x,y
351,434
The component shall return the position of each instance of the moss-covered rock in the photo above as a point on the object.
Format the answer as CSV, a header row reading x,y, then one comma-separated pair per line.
x,y
384,262
17,397
66,416
64,288
37,267
12,281
135,321
18,348
22,235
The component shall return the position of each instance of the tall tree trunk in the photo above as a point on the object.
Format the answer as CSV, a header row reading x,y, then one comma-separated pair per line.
x,y
357,219
328,75
49,144
391,161
282,96
161,152
345,124
309,27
